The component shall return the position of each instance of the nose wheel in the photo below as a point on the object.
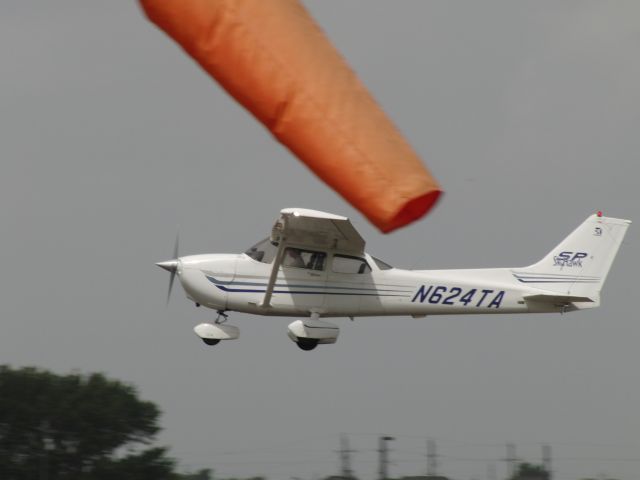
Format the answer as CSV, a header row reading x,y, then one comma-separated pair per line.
x,y
307,344
212,333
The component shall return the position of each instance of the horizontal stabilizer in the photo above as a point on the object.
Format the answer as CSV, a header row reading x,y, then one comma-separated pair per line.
x,y
557,299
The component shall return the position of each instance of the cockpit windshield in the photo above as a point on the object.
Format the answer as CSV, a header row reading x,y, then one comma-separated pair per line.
x,y
382,265
263,251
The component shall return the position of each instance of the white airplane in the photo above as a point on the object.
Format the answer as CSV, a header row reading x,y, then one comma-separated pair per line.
x,y
314,265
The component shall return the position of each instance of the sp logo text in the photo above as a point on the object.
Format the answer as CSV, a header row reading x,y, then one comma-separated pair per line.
x,y
569,259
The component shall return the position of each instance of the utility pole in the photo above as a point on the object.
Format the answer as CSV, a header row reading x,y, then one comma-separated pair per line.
x,y
345,457
432,458
511,460
491,472
546,460
383,455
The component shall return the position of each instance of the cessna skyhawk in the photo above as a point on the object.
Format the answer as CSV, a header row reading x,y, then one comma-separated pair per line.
x,y
313,265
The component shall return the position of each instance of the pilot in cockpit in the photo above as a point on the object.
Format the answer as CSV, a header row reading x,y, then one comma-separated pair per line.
x,y
293,258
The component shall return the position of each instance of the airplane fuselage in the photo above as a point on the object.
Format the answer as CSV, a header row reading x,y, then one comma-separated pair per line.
x,y
237,282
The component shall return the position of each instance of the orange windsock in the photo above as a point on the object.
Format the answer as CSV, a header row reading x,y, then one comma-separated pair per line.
x,y
273,59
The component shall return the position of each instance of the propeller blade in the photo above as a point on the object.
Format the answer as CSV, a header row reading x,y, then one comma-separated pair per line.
x,y
173,272
171,265
173,276
175,246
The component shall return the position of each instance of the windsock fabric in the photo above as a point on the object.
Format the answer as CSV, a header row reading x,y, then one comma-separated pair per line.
x,y
273,59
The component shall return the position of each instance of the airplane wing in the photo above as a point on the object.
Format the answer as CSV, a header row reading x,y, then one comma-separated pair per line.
x,y
314,230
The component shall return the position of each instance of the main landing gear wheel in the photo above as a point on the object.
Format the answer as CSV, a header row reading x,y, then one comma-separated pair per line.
x,y
307,344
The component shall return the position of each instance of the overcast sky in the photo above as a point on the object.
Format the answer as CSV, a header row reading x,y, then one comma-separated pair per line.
x,y
527,112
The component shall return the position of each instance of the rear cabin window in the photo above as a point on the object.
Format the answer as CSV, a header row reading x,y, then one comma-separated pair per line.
x,y
299,258
348,264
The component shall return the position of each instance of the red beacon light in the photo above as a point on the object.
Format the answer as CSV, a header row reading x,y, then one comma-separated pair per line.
x,y
599,213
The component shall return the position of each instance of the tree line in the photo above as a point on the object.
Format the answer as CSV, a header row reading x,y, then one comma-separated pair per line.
x,y
79,427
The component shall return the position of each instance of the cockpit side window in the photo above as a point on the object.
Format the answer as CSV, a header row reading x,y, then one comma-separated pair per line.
x,y
263,251
349,264
299,258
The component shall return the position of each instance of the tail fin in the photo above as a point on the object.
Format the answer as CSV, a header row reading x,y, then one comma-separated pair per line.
x,y
579,265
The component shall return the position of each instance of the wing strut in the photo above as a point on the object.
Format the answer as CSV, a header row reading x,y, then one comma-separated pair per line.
x,y
266,301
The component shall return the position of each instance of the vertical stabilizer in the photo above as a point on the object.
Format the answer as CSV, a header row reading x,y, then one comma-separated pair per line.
x,y
579,265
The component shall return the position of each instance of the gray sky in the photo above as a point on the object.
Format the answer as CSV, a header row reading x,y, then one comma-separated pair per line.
x,y
527,112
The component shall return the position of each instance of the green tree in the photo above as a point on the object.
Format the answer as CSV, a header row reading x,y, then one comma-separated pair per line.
x,y
600,478
204,474
528,471
207,474
76,427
